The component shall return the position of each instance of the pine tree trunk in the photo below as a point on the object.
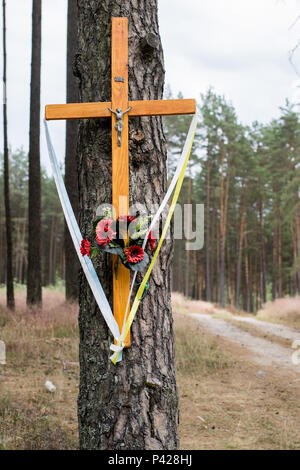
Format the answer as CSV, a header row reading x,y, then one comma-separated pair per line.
x,y
297,224
132,405
51,251
71,175
34,276
207,234
240,254
222,232
10,299
279,261
187,255
263,288
294,274
246,302
54,262
275,256
213,260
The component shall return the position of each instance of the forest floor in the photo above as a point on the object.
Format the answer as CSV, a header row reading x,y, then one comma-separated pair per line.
x,y
238,387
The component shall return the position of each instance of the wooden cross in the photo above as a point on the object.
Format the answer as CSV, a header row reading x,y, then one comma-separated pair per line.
x,y
120,167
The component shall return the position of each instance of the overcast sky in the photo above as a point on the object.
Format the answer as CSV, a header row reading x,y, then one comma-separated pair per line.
x,y
240,47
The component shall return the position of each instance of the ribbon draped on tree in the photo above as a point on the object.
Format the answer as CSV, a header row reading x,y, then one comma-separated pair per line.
x,y
86,262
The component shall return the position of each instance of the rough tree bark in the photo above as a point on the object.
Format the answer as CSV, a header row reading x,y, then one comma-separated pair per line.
x,y
262,273
133,405
71,176
34,276
10,299
207,232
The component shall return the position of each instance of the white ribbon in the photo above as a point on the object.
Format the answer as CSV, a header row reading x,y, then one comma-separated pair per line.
x,y
75,233
85,261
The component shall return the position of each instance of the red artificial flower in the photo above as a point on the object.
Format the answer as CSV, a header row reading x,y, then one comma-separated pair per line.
x,y
151,241
125,218
85,247
104,232
134,254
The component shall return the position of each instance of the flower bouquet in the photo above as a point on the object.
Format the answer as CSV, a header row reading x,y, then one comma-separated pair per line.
x,y
124,237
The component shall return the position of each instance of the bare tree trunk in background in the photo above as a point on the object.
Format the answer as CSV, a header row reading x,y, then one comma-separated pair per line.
x,y
221,233
246,302
213,259
240,253
275,256
187,291
180,267
54,261
207,234
71,175
297,224
34,276
263,283
133,405
1,247
223,223
294,274
51,252
279,261
10,299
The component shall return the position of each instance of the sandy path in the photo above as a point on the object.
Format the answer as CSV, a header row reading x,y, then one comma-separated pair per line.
x,y
271,328
263,351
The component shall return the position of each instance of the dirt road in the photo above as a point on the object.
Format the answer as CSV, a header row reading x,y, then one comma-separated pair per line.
x,y
261,351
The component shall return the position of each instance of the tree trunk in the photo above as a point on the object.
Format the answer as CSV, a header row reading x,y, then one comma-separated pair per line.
x,y
275,256
222,232
133,405
51,252
279,250
34,276
10,299
71,175
207,233
187,255
213,259
246,302
294,273
297,224
240,253
263,288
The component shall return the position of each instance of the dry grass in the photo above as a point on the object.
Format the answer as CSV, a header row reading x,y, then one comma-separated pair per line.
x,y
227,404
36,343
224,404
181,305
285,311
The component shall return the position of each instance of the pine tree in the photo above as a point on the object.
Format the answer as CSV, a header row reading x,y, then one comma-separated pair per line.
x,y
34,275
71,176
10,300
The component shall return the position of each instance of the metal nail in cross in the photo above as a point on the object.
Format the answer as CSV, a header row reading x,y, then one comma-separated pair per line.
x,y
120,172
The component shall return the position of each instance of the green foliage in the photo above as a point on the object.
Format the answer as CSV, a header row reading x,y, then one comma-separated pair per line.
x,y
260,166
52,222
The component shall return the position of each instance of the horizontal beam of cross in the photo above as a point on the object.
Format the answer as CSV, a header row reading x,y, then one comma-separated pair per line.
x,y
139,108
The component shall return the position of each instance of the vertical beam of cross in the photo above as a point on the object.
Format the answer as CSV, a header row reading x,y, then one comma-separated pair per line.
x,y
120,164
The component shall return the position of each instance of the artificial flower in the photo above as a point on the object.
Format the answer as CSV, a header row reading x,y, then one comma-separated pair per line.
x,y
104,232
125,218
134,254
85,247
151,241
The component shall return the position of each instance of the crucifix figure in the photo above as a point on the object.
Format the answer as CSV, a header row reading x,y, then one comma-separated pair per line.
x,y
120,164
119,124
